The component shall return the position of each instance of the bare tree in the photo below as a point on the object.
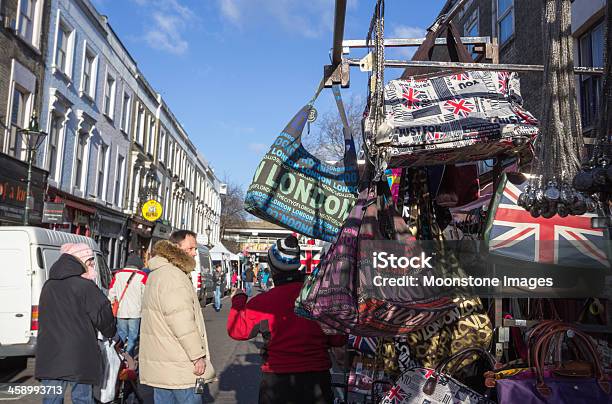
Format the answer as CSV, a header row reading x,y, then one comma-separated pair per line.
x,y
233,214
327,141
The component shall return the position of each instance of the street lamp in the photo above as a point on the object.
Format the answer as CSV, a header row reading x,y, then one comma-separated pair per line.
x,y
33,137
150,185
208,243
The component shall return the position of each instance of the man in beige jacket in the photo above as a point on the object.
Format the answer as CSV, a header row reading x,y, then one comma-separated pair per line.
x,y
174,350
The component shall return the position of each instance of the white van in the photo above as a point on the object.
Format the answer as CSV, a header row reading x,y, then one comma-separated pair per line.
x,y
26,255
202,275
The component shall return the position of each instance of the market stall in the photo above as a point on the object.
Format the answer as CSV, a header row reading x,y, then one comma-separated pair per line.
x,y
500,282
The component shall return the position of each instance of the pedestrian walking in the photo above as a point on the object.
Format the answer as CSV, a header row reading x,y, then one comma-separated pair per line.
x,y
265,275
217,280
127,289
72,310
174,353
234,279
296,362
249,276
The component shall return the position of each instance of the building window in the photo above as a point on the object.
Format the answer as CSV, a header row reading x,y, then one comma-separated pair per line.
x,y
151,137
18,121
53,139
88,81
81,146
591,49
126,112
102,157
109,96
26,17
63,49
119,180
162,146
505,20
471,29
140,126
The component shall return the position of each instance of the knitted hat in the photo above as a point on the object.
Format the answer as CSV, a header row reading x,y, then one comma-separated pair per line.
x,y
284,255
78,250
134,261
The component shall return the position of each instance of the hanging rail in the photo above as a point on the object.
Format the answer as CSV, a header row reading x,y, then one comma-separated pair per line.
x,y
339,18
597,71
400,42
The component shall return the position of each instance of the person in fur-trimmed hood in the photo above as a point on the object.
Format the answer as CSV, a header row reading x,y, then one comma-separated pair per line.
x,y
174,349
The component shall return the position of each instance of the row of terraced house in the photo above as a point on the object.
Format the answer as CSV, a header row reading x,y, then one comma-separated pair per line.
x,y
112,142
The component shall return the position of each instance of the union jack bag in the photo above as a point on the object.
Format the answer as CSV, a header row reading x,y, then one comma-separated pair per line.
x,y
467,116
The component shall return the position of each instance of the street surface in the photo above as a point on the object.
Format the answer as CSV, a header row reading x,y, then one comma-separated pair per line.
x,y
237,365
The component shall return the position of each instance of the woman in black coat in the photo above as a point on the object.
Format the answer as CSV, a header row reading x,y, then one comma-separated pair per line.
x,y
72,309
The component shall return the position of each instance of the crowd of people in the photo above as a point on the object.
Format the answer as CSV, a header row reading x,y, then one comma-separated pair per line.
x,y
154,312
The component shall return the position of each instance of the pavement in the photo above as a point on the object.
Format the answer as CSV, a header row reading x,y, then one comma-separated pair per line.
x,y
236,363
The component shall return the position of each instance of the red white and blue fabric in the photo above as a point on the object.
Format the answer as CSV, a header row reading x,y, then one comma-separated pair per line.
x,y
570,241
365,345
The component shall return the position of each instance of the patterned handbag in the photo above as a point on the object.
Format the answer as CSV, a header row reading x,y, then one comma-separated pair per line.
x,y
436,386
450,118
298,191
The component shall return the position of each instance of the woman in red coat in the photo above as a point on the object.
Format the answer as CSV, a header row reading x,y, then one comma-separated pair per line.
x,y
296,360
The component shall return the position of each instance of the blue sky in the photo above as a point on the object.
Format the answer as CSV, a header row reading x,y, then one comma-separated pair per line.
x,y
234,72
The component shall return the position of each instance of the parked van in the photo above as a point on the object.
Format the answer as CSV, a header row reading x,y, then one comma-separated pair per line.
x,y
202,275
26,255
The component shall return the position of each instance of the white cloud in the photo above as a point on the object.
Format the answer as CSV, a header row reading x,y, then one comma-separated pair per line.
x,y
404,31
169,20
311,18
165,35
258,148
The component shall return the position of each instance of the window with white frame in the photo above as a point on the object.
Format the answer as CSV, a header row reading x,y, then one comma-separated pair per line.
x,y
151,136
88,80
162,146
119,180
140,121
30,21
109,96
19,107
126,112
505,20
55,128
591,51
102,164
64,48
471,29
80,164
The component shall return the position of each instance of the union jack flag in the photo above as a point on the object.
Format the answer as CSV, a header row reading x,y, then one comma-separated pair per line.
x,y
461,76
461,107
309,258
396,395
502,79
366,345
412,98
570,241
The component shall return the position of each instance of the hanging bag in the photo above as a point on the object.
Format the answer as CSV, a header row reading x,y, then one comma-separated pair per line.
x,y
437,386
296,190
452,117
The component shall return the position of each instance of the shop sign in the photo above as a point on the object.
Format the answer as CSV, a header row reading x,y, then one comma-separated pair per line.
x,y
152,210
13,174
54,213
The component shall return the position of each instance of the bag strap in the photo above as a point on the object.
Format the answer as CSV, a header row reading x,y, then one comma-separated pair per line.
x,y
126,286
345,123
456,50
